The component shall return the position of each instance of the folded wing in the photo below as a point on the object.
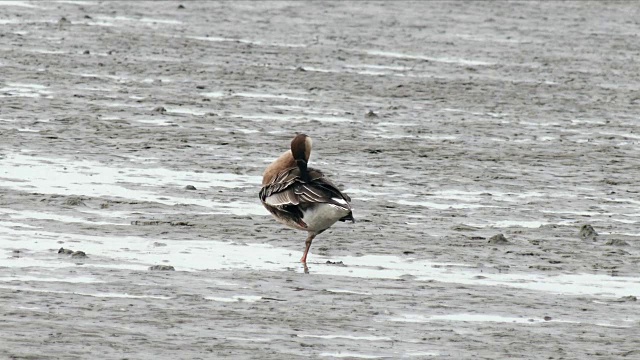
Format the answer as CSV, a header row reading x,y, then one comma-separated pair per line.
x,y
288,189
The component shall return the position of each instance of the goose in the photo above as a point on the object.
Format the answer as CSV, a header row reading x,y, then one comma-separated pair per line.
x,y
301,197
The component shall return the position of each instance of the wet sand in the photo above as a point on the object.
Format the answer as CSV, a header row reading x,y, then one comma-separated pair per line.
x,y
136,133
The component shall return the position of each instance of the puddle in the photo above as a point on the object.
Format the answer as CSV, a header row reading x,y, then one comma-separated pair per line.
x,y
465,317
447,60
186,111
416,318
153,80
90,178
27,214
244,131
422,353
75,2
18,3
532,224
342,291
244,41
121,79
378,67
75,280
489,114
439,206
352,355
196,255
623,135
295,118
348,337
235,298
269,96
248,339
485,38
98,295
159,122
25,90
15,224
138,20
46,51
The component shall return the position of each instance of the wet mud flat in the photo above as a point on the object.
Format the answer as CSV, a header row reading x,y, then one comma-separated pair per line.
x,y
134,137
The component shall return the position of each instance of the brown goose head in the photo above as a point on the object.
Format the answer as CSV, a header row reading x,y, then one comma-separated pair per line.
x,y
301,151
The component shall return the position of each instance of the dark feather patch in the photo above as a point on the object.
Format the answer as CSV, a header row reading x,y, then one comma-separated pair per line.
x,y
289,190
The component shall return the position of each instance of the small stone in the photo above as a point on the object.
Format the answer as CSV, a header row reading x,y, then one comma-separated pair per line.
x,y
300,69
63,20
371,114
162,268
160,109
181,7
339,263
628,298
88,17
547,318
104,206
65,251
588,233
79,254
148,222
498,239
74,201
86,52
616,242
190,187
200,87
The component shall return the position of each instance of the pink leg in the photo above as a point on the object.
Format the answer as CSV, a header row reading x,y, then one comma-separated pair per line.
x,y
306,250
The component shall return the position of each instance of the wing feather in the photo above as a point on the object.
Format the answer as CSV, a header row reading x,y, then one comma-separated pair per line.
x,y
288,188
285,197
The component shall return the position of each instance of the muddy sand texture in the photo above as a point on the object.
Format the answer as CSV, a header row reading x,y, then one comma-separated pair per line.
x,y
136,134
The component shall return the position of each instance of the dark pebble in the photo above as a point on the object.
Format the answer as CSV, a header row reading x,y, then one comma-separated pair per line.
x,y
74,201
588,233
340,263
616,242
190,187
371,114
79,254
160,109
498,239
162,268
65,251
147,222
